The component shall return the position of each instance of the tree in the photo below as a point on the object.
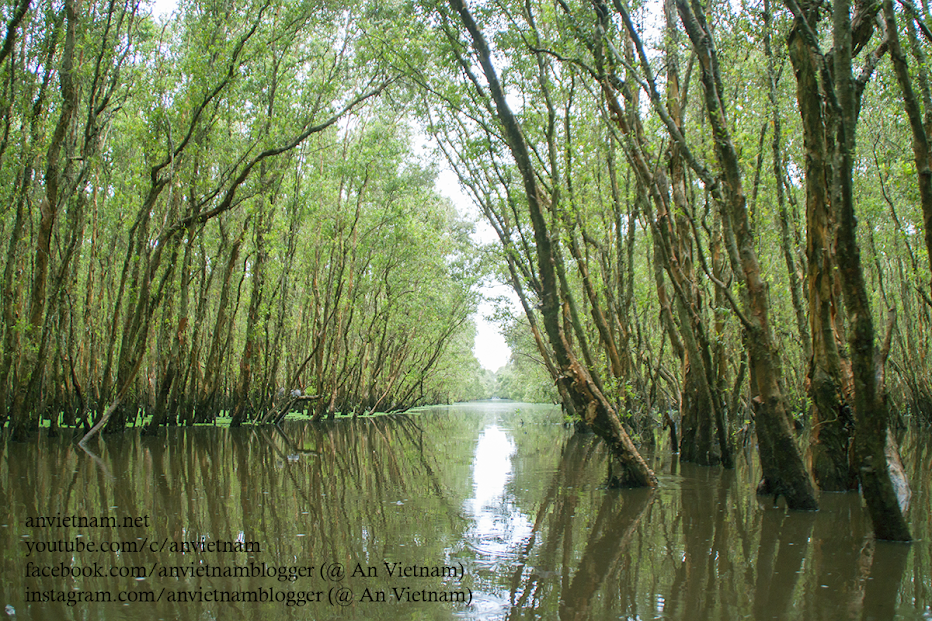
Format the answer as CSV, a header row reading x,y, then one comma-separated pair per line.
x,y
551,291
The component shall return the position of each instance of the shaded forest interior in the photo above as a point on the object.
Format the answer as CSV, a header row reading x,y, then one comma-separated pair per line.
x,y
717,219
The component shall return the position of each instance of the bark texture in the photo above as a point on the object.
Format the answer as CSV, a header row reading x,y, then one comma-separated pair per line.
x,y
590,402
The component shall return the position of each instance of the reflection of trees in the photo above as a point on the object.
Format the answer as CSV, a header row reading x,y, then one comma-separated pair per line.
x,y
394,489
309,494
837,554
343,480
535,586
882,587
784,542
701,546
853,575
920,449
618,518
556,513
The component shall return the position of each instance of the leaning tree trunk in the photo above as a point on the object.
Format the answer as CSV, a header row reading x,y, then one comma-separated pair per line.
x,y
589,400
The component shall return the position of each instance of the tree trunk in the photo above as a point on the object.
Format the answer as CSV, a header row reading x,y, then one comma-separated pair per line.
x,y
869,404
250,356
920,139
589,400
781,462
828,382
779,174
57,177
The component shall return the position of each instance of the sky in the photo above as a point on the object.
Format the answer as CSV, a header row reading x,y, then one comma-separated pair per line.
x,y
162,8
490,347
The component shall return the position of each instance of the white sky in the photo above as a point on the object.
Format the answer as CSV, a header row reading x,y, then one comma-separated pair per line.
x,y
490,347
162,8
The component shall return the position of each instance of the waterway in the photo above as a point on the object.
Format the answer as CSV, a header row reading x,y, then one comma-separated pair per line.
x,y
490,510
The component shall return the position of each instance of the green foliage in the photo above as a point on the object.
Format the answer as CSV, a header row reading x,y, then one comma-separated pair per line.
x,y
247,215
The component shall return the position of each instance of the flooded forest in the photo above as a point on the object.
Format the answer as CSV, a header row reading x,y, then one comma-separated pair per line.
x,y
714,221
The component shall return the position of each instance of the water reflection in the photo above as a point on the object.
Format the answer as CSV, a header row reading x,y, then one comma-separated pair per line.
x,y
502,488
491,470
498,526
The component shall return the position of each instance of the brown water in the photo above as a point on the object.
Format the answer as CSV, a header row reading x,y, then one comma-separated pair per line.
x,y
494,503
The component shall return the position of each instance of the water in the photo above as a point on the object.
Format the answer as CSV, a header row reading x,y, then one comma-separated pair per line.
x,y
401,517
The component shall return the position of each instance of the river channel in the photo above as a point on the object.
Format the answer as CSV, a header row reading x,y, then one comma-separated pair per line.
x,y
489,510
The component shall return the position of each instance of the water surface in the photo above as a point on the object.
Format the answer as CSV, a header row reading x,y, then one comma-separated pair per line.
x,y
401,517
